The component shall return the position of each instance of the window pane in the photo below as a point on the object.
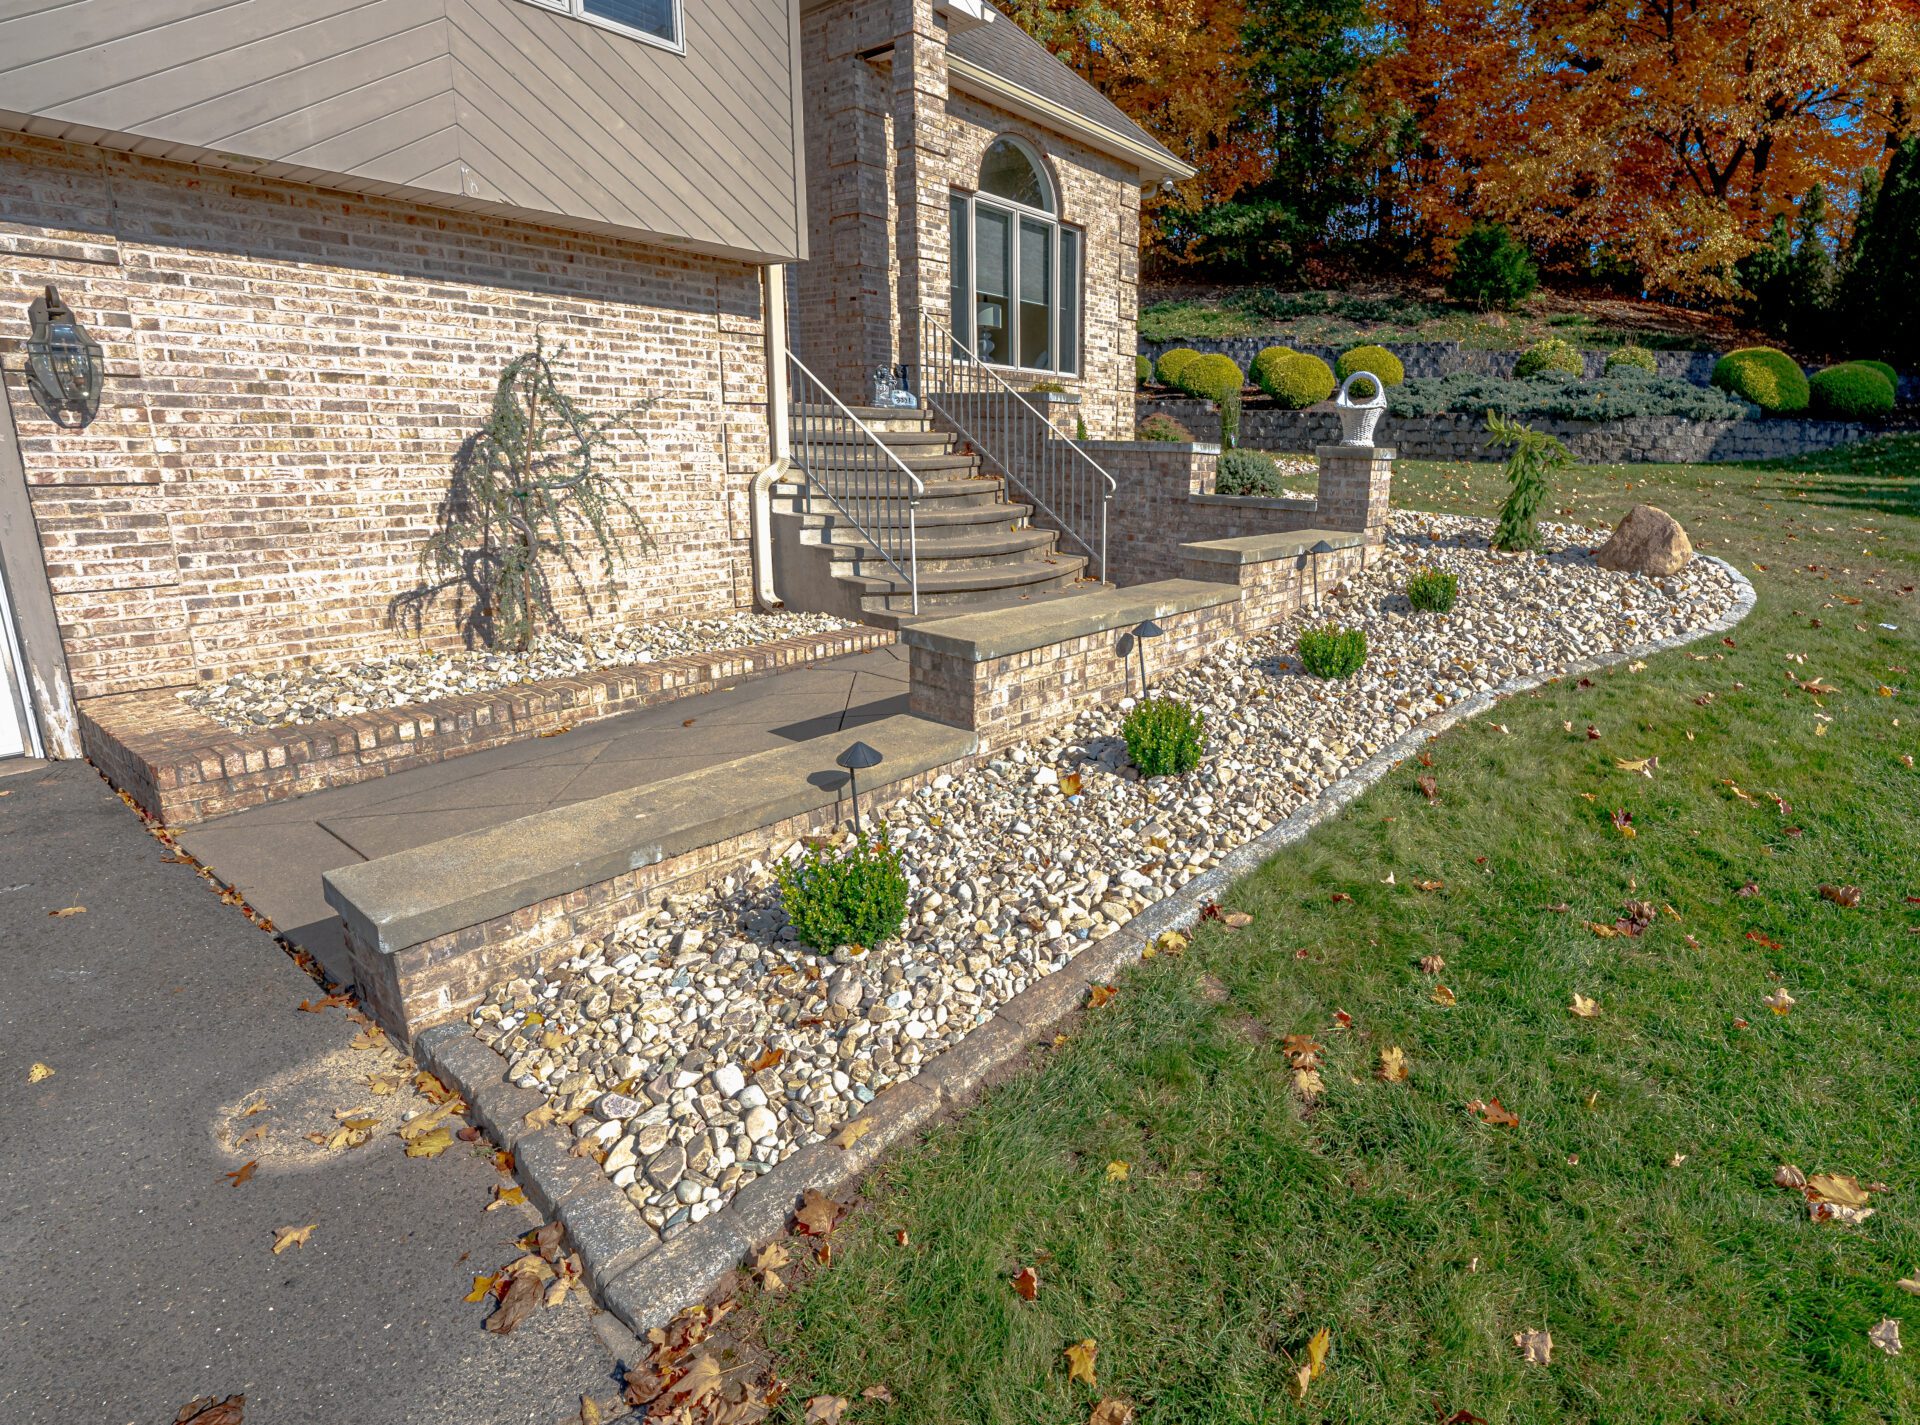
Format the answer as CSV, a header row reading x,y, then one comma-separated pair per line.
x,y
654,17
992,276
1036,294
1007,172
959,302
1069,300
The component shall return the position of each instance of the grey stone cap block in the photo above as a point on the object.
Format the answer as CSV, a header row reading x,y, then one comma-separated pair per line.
x,y
996,633
606,1230
502,1111
548,1170
1357,452
428,891
666,1282
458,1058
759,1211
895,1115
957,1073
1305,504
1264,548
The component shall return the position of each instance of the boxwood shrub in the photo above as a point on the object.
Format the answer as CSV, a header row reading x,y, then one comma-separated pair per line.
x,y
1294,379
1214,377
855,897
1333,651
1433,591
1142,370
1173,363
1767,377
1374,359
1621,395
1893,377
1267,363
1165,737
1551,354
1248,472
1852,391
1632,358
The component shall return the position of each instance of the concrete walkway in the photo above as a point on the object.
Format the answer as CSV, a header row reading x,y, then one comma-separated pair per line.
x,y
275,855
139,1277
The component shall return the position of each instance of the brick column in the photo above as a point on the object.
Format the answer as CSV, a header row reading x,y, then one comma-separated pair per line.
x,y
921,164
1355,481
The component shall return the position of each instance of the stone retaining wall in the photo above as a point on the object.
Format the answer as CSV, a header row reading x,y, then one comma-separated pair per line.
x,y
1456,435
182,767
1434,358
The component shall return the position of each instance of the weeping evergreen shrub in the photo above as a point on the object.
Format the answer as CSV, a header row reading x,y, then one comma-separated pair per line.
x,y
1535,456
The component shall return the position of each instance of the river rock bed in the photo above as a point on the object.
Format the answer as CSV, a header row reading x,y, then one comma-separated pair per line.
x,y
247,702
704,1046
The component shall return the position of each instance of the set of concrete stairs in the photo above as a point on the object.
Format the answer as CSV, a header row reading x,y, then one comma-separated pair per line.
x,y
977,547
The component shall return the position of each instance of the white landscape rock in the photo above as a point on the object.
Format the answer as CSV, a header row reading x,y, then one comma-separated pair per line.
x,y
1010,879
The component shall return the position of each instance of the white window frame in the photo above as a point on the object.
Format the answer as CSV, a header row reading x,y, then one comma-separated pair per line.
x,y
971,199
577,10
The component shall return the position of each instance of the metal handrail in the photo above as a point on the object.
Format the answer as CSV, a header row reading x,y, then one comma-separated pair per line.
x,y
1055,475
856,479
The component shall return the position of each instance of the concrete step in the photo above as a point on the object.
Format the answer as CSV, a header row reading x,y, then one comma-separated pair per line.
x,y
948,548
968,588
866,460
901,442
941,491
893,418
932,515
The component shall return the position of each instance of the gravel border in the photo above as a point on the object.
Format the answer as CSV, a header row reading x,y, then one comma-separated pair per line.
x,y
647,1283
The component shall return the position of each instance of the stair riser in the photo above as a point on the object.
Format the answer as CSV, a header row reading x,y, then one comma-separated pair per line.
x,y
985,497
973,598
868,565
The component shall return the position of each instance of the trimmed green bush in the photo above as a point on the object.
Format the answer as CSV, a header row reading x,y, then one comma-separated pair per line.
x,y
1142,370
1165,737
1212,377
855,897
1432,591
1490,269
1333,651
1267,363
1163,428
1767,377
1247,472
1552,354
1632,358
1294,380
1852,391
1046,388
1376,361
1893,377
1621,395
1173,363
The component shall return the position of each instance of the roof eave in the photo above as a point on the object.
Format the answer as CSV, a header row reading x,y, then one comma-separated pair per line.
x,y
1155,164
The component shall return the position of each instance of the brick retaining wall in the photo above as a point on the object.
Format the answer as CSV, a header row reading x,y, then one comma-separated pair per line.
x,y
181,767
1456,435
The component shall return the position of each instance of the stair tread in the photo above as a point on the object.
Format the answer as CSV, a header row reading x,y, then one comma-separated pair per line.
x,y
964,543
993,576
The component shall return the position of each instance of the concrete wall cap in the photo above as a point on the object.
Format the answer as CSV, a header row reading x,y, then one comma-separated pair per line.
x,y
1264,548
997,633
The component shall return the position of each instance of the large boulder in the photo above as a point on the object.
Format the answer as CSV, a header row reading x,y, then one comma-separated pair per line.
x,y
1647,541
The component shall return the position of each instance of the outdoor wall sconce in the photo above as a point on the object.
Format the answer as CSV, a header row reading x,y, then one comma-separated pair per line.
x,y
65,368
1146,629
857,759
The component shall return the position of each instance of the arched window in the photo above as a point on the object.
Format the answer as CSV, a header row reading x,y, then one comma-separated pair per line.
x,y
1016,267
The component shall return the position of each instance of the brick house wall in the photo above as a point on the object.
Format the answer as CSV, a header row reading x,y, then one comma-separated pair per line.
x,y
292,371
850,299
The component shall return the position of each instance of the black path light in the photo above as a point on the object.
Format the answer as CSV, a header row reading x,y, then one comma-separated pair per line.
x,y
857,759
65,368
1146,629
1318,550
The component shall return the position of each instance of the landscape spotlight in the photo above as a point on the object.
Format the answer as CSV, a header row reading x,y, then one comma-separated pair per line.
x,y
857,759
1147,629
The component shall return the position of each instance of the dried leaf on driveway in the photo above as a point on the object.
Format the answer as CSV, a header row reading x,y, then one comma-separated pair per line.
x,y
372,1037
285,1237
1535,1347
39,1074
522,1298
482,1289
242,1174
207,1411
1080,1361
507,1197
66,911
431,1145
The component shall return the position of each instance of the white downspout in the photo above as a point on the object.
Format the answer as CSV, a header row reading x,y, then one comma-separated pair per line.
x,y
779,427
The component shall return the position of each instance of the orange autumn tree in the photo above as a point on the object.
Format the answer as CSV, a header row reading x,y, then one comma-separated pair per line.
x,y
1174,66
1664,133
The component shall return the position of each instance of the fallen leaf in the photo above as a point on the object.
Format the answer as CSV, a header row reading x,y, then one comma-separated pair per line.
x,y
1117,1171
285,1237
770,1059
1393,1065
39,1074
372,1037
1099,995
1886,1336
1026,1281
1493,1113
1847,896
1910,1285
1584,1007
1429,788
1779,1001
1443,995
1111,1412
1080,1362
431,1145
817,1213
1432,964
205,1410
767,1265
589,1411
507,1197
540,1117
1235,920
826,1409
482,1289
1840,1189
1676,1160
1430,885
517,1305
1070,785
1623,822
1644,766
66,911
325,1002
1171,942
1315,1365
1535,1347
1788,1176
242,1173
853,1132
1748,891
1308,1083
1757,938
879,1393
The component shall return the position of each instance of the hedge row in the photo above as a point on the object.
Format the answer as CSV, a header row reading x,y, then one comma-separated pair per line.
x,y
1625,393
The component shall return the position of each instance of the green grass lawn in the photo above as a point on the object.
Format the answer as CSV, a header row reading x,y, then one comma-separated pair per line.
x,y
1631,1211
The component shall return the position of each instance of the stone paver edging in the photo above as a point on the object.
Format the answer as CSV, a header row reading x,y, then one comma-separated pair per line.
x,y
646,1282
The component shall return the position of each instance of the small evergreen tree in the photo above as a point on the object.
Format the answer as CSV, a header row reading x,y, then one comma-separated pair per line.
x,y
1534,456
1880,295
537,468
1490,269
1790,280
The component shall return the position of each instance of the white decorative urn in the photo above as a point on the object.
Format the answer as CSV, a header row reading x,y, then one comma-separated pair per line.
x,y
1358,418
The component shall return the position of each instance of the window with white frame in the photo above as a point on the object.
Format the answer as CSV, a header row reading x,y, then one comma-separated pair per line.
x,y
656,21
1016,266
